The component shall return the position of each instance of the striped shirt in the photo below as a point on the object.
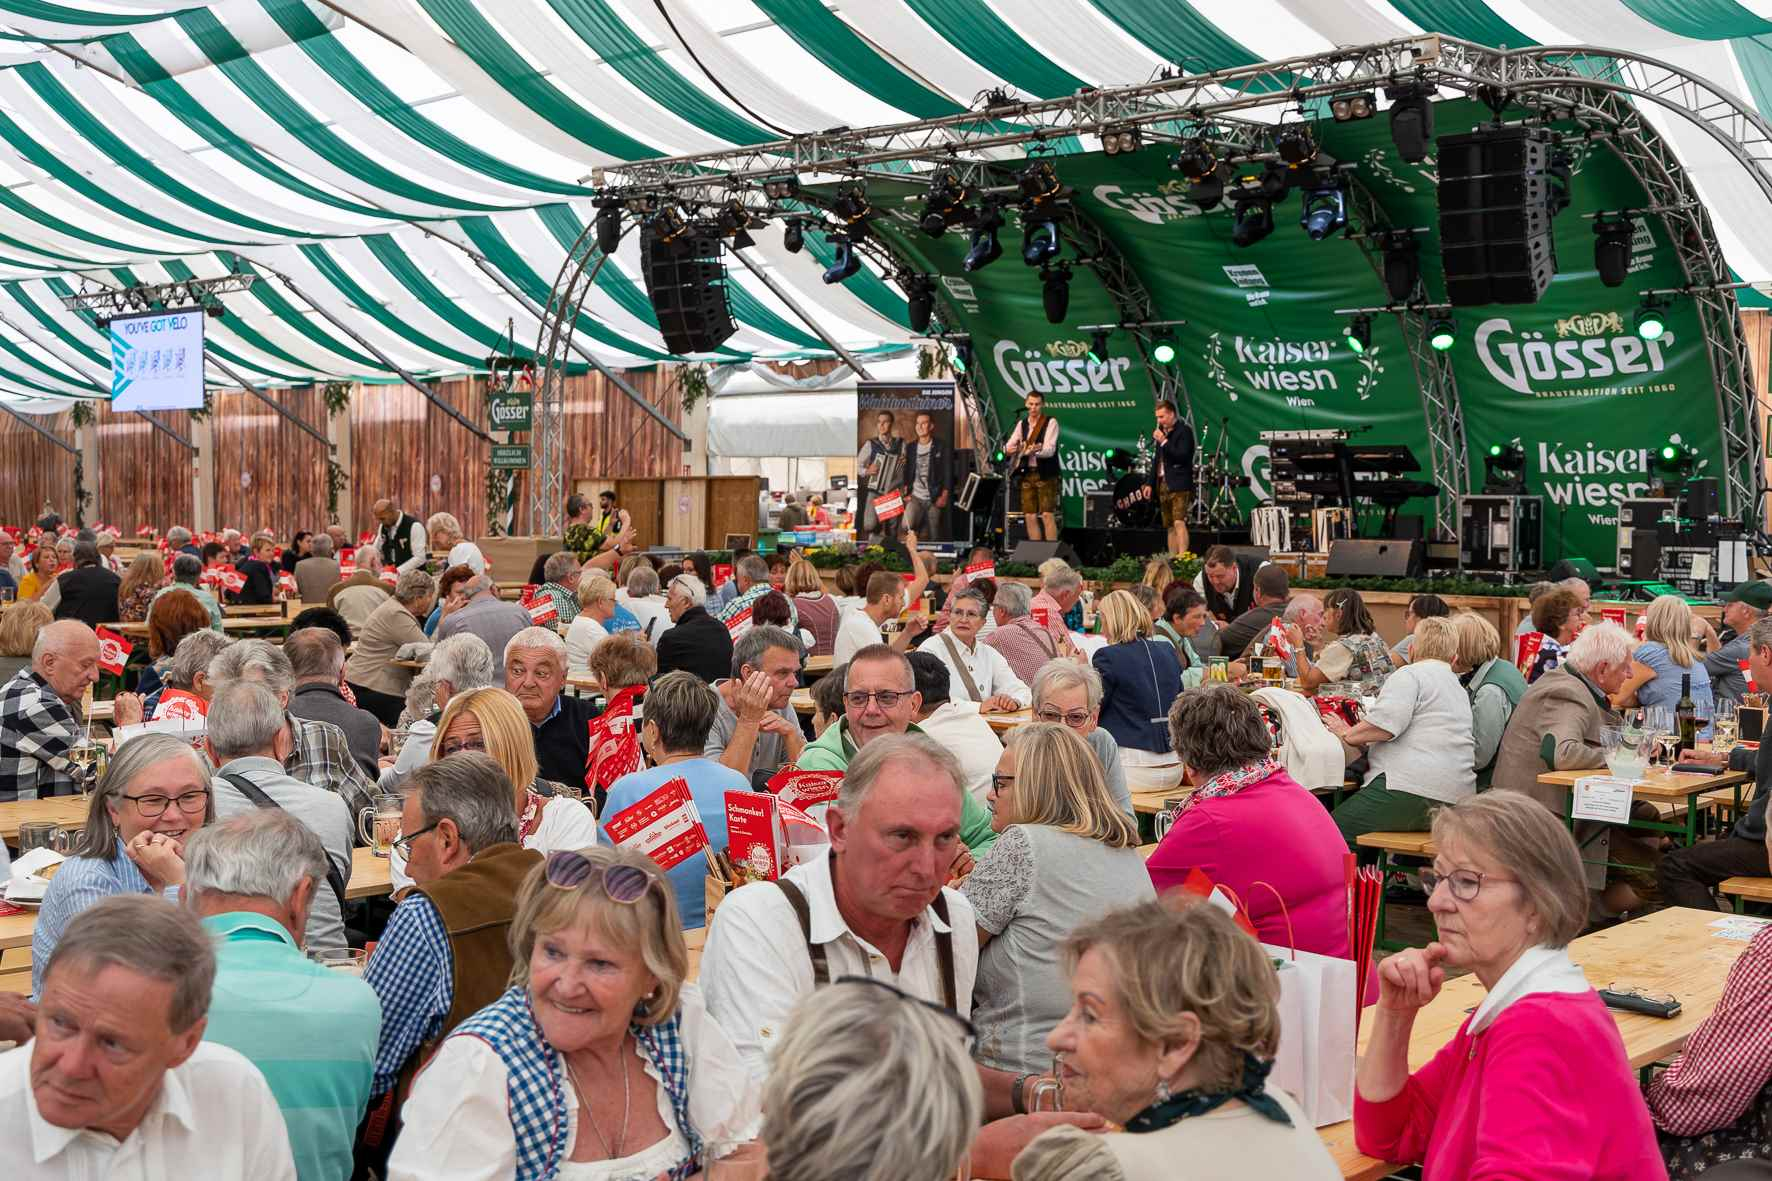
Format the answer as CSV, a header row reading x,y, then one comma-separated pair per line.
x,y
1728,1058
309,1029
80,882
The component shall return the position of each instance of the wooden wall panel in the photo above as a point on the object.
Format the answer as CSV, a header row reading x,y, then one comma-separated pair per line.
x,y
33,470
269,473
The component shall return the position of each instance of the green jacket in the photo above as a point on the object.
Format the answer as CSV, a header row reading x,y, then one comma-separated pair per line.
x,y
832,750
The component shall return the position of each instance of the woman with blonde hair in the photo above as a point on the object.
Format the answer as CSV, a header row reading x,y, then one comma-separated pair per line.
x,y
1665,660
1158,574
1139,680
443,532
600,1059
19,624
1171,1033
145,576
1495,687
817,610
1066,854
590,627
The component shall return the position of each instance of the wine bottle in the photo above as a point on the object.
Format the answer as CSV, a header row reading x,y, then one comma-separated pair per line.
x,y
1686,715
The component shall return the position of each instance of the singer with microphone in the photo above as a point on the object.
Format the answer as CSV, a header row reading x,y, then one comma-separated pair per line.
x,y
1033,451
1175,472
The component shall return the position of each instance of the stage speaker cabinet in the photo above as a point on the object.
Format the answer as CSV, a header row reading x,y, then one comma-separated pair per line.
x,y
1500,534
686,281
1632,516
1035,552
1098,510
1350,558
1495,233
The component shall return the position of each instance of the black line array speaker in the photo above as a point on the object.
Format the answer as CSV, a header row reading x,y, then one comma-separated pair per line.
x,y
686,281
1495,220
1350,558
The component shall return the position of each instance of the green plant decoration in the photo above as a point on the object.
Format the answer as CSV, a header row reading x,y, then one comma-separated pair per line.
x,y
337,396
336,481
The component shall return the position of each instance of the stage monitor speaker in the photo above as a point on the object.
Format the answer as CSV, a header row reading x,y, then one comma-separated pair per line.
x,y
1495,231
1349,558
1035,552
686,281
1098,510
1574,568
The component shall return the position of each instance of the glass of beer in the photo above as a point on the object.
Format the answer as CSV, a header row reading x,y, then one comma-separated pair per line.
x,y
1273,669
379,825
343,959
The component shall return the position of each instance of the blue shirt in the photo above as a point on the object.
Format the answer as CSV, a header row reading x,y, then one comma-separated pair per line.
x,y
1664,687
80,882
709,781
622,621
413,975
310,1030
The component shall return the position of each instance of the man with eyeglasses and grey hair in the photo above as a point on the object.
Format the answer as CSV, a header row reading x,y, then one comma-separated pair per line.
x,y
311,1030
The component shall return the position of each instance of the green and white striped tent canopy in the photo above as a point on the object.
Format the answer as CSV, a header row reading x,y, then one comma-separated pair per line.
x,y
418,168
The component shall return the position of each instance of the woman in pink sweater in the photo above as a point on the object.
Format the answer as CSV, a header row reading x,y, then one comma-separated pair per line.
x,y
1536,1083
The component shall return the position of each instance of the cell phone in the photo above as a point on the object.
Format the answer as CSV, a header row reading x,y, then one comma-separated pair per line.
x,y
1631,1003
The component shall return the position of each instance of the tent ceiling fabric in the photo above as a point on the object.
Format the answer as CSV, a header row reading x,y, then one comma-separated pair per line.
x,y
408,164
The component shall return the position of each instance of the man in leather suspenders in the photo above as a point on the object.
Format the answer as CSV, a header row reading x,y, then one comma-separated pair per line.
x,y
1033,457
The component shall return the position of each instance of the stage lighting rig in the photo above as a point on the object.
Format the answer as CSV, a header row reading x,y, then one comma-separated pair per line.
x,y
1040,242
1402,264
944,205
1504,469
1412,120
1324,210
1098,345
1442,333
919,295
1255,220
1055,291
1676,462
735,221
1346,108
1039,184
985,248
1612,243
1295,144
846,261
107,303
1163,352
793,235
780,188
666,225
1195,159
608,225
642,204
1209,192
852,209
1359,333
1121,141
1650,321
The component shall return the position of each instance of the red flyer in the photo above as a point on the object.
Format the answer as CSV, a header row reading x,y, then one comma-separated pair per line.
x,y
1526,651
182,705
979,570
1277,642
664,825
1613,615
739,624
389,575
542,610
753,835
722,572
347,565
286,583
113,651
888,506
806,789
1042,616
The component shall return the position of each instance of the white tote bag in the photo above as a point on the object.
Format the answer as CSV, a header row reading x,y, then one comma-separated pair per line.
x,y
1315,1062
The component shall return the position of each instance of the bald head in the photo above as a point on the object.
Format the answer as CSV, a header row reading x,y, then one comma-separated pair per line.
x,y
66,656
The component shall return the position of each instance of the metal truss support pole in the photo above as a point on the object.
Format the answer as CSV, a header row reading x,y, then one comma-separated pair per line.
x,y
48,434
166,430
267,400
782,294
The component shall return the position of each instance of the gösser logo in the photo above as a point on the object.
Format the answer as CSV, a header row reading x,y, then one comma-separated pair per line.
x,y
1168,203
1030,373
1517,365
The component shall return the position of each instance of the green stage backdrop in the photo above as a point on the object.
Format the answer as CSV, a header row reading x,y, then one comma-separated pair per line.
x,y
1262,348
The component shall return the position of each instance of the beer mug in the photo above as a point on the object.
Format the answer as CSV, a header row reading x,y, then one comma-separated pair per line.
x,y
44,834
89,763
378,826
1273,669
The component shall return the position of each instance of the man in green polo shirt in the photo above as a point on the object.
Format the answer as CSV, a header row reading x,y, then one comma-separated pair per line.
x,y
880,697
310,1029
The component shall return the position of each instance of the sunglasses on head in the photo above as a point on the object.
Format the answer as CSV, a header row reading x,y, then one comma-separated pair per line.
x,y
569,869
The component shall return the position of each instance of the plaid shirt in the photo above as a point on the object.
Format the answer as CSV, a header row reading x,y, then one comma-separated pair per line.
x,y
1728,1058
413,974
36,731
749,599
1025,645
322,757
565,601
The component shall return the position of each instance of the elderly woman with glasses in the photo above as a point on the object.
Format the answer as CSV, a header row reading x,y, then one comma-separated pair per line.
x,y
1065,854
1068,693
1172,1030
1537,1073
491,720
600,1061
153,795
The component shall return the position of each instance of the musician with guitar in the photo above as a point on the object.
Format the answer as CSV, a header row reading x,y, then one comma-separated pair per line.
x,y
1175,472
881,464
1033,452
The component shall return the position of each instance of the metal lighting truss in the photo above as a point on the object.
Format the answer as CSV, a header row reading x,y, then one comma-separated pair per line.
x,y
547,484
1593,86
108,302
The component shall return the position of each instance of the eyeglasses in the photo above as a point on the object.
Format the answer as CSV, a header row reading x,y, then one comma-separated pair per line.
x,y
454,746
1001,783
191,803
887,698
404,843
969,1030
1076,719
568,869
960,614
1631,990
1464,884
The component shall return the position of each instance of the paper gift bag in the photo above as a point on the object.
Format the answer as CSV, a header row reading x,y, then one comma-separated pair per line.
x,y
1315,1062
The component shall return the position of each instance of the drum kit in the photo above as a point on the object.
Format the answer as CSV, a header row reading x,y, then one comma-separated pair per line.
x,y
1135,492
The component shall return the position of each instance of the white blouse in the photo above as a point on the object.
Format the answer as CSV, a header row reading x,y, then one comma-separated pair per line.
x,y
583,635
458,1126
566,823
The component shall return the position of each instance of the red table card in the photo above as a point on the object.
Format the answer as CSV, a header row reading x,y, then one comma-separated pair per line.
x,y
753,835
664,825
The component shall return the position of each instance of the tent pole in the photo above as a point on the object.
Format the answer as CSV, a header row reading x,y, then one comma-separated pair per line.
x,y
266,399
166,430
44,431
781,293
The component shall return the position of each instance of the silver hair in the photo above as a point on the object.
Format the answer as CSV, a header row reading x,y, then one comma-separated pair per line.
x,y
1065,579
147,935
753,569
264,853
751,646
99,837
538,637
1301,606
315,653
1538,590
1055,675
368,559
871,761
473,791
642,581
415,586
54,638
178,535
1577,586
244,719
192,656
1014,598
253,660
479,584
970,595
321,545
421,694
86,553
691,587
1759,635
559,567
464,661
187,568
850,1051
1602,643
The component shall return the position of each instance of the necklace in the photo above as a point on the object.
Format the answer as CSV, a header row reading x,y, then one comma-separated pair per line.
x,y
626,1102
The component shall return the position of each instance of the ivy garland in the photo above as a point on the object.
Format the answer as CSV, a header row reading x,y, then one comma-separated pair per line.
x,y
337,396
692,382
336,481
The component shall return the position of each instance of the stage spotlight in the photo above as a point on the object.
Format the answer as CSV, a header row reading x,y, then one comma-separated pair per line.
x,y
735,221
944,204
846,262
793,235
1324,212
962,359
1295,144
1676,460
985,248
1119,141
608,226
667,225
1209,192
1164,352
1098,345
1275,181
1442,333
1359,333
1504,469
920,301
1039,242
779,188
1612,242
1412,120
1255,221
1039,183
1055,292
1345,108
1649,321
1195,159
1402,265
851,205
